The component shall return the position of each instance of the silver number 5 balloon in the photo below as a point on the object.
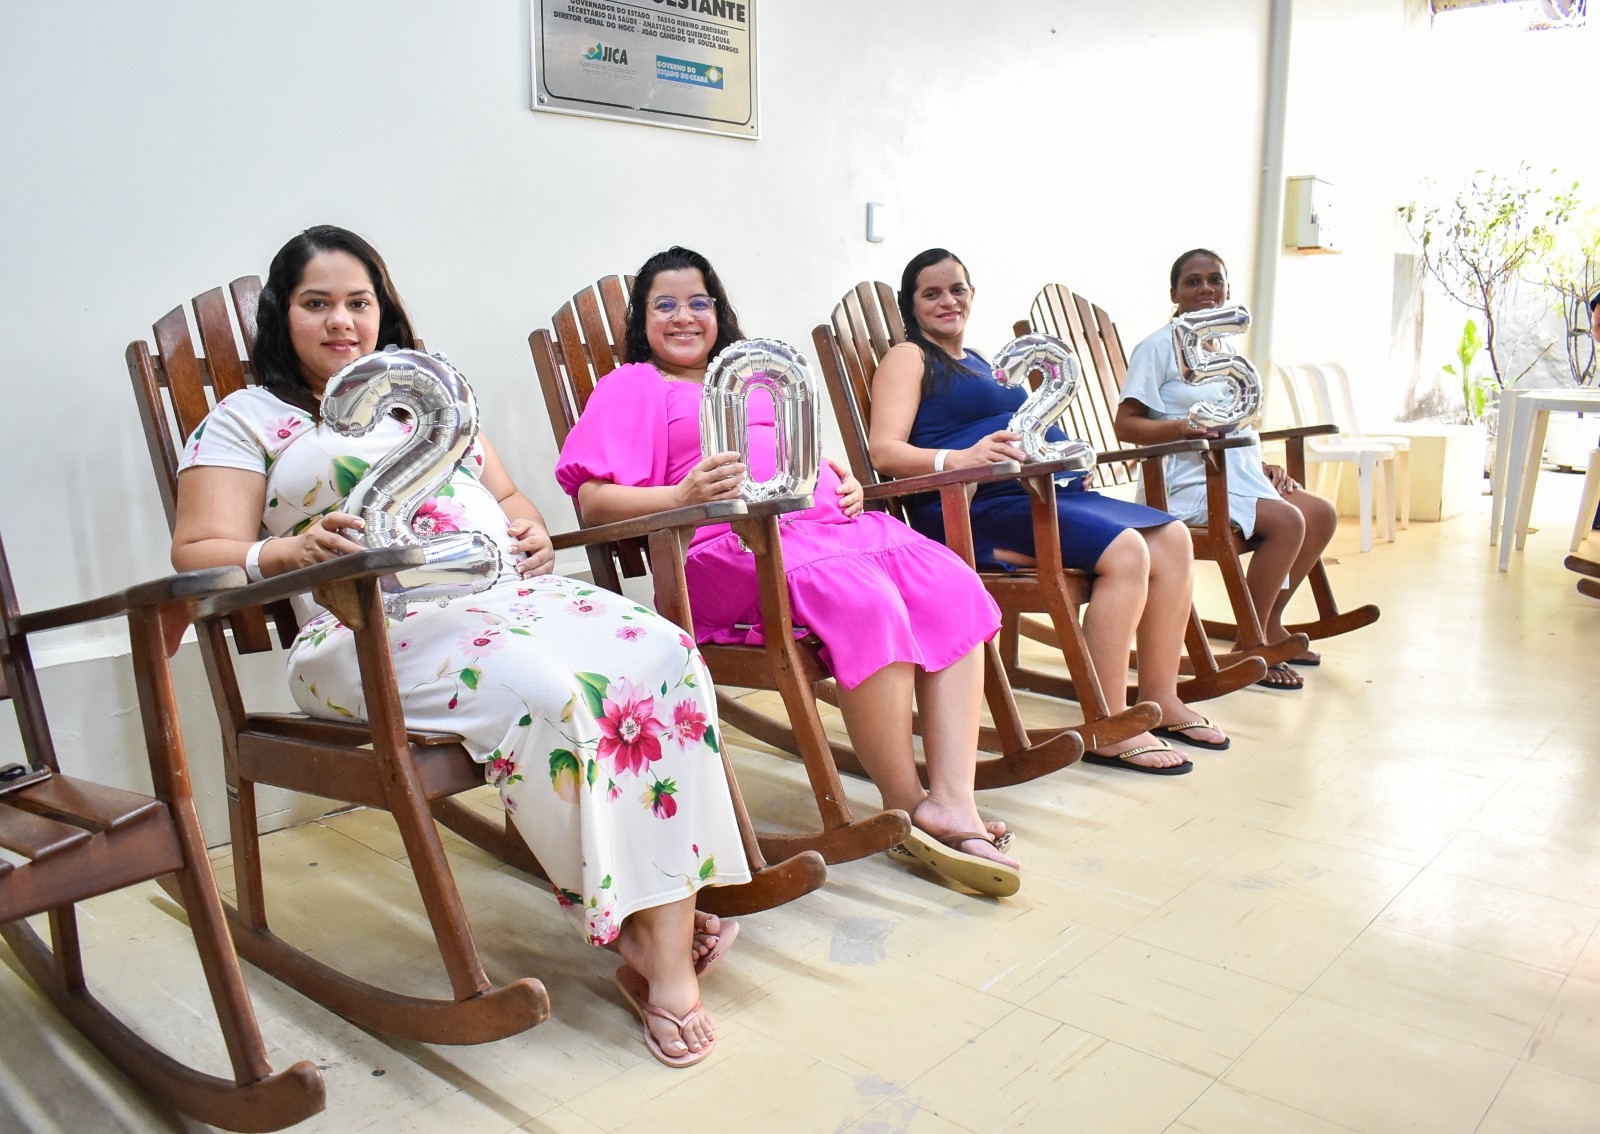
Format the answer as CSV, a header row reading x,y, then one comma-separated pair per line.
x,y
444,419
1045,405
763,364
1199,365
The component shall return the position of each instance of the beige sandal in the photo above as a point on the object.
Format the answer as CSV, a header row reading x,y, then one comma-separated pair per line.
x,y
943,855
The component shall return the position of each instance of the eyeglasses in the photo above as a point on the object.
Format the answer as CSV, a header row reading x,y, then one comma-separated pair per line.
x,y
666,307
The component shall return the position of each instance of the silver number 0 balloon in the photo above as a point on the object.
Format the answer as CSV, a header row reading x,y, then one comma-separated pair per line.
x,y
1044,407
763,364
444,419
1199,365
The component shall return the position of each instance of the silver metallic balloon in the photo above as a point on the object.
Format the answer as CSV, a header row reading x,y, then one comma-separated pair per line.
x,y
763,364
1045,405
444,419
1199,365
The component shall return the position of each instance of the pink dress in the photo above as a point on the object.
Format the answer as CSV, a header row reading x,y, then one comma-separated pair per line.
x,y
870,588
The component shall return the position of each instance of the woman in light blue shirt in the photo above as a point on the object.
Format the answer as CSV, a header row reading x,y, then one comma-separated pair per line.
x,y
1286,526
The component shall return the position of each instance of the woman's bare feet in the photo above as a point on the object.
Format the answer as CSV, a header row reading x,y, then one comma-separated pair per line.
x,y
1158,756
652,944
1181,723
941,820
707,933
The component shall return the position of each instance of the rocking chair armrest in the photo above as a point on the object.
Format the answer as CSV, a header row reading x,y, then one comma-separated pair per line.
x,y
344,569
780,505
929,482
692,516
1298,432
1150,452
185,586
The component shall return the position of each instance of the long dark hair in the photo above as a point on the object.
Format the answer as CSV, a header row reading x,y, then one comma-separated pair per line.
x,y
938,368
277,366
636,347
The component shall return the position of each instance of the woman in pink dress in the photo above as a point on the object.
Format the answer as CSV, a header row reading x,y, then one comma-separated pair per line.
x,y
897,613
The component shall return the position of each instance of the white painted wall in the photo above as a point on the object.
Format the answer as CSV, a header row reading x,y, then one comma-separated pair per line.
x,y
153,150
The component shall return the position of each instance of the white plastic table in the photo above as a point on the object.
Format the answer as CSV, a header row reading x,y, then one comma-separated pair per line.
x,y
1524,415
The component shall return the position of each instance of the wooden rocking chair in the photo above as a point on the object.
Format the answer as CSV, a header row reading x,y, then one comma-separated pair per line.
x,y
1589,583
1217,539
865,324
580,352
582,349
412,775
78,839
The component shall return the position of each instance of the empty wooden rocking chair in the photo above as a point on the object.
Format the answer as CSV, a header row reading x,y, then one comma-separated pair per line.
x,y
71,839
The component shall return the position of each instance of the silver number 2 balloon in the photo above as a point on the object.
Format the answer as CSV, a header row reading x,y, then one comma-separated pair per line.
x,y
1199,365
444,419
1045,405
764,364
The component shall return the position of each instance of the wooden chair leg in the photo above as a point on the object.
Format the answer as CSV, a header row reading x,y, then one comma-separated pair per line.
x,y
477,1011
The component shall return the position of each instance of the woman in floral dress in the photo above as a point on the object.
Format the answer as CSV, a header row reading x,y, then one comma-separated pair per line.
x,y
594,716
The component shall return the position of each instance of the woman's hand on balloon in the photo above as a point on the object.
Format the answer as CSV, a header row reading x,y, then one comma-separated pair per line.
x,y
716,478
851,497
997,446
328,537
1189,431
532,541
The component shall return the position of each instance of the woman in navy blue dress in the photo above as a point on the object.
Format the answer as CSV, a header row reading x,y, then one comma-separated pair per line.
x,y
935,406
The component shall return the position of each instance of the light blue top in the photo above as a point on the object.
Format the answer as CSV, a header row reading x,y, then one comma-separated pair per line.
x,y
1154,381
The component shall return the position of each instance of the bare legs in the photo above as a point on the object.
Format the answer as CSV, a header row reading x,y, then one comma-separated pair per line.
x,y
877,714
658,943
1142,587
1290,536
1161,628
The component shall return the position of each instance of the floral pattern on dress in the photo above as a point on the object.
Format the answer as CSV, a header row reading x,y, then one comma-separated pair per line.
x,y
571,696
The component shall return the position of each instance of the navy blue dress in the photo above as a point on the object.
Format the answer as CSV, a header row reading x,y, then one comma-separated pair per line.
x,y
973,405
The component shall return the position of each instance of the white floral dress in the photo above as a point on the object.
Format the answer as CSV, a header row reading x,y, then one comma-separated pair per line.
x,y
595,716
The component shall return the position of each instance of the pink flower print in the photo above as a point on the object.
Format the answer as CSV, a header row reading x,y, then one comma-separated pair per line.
x,y
581,607
441,514
688,723
630,633
612,790
284,428
658,798
567,898
477,643
402,645
629,731
503,769
685,641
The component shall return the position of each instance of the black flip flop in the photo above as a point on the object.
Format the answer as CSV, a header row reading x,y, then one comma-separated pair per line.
x,y
1179,732
1120,760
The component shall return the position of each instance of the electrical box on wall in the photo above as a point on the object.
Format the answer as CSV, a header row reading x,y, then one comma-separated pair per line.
x,y
1307,213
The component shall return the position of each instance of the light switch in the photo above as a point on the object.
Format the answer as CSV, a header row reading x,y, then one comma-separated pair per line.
x,y
877,221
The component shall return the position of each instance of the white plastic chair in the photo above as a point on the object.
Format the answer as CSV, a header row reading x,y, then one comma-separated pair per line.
x,y
1368,457
1343,405
1591,500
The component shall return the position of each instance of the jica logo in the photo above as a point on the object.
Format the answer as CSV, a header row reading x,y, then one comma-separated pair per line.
x,y
600,53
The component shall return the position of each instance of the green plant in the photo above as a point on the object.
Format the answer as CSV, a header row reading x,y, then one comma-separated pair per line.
x,y
1571,273
1474,389
1495,229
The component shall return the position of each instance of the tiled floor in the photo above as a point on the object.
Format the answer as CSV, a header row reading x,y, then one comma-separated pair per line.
x,y
1376,913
